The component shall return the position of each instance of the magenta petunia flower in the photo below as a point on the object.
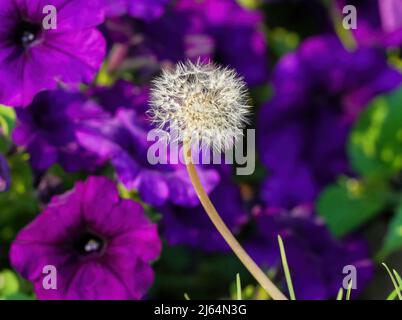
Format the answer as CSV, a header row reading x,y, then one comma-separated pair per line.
x,y
46,42
99,244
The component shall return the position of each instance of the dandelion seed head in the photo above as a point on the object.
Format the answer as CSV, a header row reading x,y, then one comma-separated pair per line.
x,y
207,104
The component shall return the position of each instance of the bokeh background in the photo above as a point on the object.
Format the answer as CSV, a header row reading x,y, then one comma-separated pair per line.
x,y
327,110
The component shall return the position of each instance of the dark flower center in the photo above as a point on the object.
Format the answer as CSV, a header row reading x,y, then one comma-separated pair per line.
x,y
27,33
89,244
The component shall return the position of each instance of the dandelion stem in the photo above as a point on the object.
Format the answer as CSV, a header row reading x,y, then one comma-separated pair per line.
x,y
249,263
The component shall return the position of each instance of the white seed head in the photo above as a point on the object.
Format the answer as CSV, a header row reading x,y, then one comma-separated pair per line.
x,y
207,104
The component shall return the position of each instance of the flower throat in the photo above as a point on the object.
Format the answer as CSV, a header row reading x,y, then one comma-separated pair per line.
x,y
27,33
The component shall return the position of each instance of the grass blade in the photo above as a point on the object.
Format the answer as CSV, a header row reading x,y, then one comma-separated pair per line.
x,y
349,291
340,294
238,287
398,279
394,292
392,295
286,268
397,289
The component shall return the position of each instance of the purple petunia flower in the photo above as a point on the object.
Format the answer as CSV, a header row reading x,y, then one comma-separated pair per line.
x,y
316,260
47,130
100,245
36,52
379,22
5,176
143,9
122,138
192,29
319,91
192,227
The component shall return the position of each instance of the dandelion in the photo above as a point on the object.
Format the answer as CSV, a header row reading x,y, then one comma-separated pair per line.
x,y
208,104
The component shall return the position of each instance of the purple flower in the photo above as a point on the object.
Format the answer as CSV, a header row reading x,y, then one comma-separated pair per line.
x,y
316,260
100,245
34,58
193,29
122,138
289,188
5,177
379,22
192,227
319,91
143,9
47,130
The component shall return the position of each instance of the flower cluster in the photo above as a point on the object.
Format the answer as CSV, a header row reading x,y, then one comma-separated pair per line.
x,y
303,130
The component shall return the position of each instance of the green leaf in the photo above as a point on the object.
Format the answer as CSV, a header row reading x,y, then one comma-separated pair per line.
x,y
393,238
7,119
375,144
19,296
394,59
20,204
8,283
350,203
282,41
250,4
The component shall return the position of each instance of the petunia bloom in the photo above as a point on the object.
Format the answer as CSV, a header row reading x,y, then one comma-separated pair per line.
x,y
319,92
143,9
100,245
316,260
47,130
38,50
